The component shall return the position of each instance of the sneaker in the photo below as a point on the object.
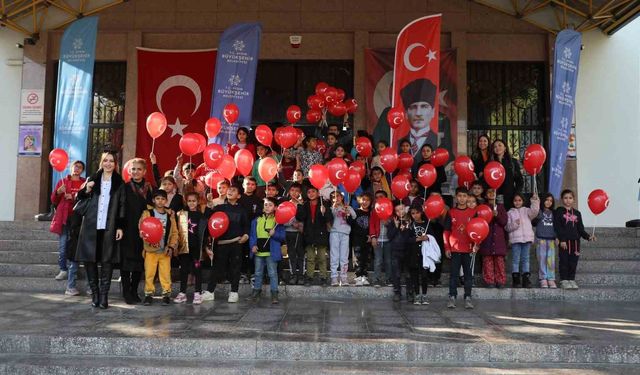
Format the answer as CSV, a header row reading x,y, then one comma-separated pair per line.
x,y
425,301
71,292
233,297
544,284
180,298
574,285
396,297
359,281
377,284
467,303
334,281
344,280
207,296
148,300
307,281
452,302
564,284
62,275
197,298
166,301
365,282
418,300
552,284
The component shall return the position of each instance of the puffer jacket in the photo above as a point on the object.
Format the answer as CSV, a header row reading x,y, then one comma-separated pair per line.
x,y
523,232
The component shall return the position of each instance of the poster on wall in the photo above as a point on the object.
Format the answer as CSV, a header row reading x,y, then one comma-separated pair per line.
x,y
32,106
30,137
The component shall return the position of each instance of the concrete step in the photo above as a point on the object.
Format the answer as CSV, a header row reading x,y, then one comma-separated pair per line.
x,y
59,364
31,225
29,245
150,349
613,266
27,235
27,257
612,241
585,293
609,254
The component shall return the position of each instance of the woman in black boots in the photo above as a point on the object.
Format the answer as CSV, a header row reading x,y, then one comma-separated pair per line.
x,y
101,203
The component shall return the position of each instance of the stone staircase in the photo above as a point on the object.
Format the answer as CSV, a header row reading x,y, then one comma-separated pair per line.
x,y
609,269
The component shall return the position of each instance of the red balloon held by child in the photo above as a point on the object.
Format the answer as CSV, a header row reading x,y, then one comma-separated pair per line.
x,y
314,116
231,113
352,180
383,208
534,158
58,158
151,230
427,175
405,160
463,166
433,207
212,179
213,155
227,167
364,147
337,168
156,124
485,212
318,175
212,127
264,135
494,174
218,224
359,167
244,161
477,230
395,117
389,160
189,144
267,168
400,186
285,212
293,114
598,201
338,109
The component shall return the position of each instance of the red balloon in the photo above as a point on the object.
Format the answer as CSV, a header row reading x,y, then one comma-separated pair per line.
x,y
352,180
359,167
212,179
227,167
341,94
494,174
321,147
598,201
294,114
534,158
264,135
383,208
285,212
338,109
485,212
315,101
427,175
189,144
244,161
202,142
321,87
439,157
389,160
433,207
463,165
58,159
230,113
212,127
314,116
405,172
405,160
466,181
213,155
156,124
200,171
400,186
364,147
126,175
151,230
300,135
337,168
267,168
318,175
352,106
395,117
330,95
286,137
218,224
477,229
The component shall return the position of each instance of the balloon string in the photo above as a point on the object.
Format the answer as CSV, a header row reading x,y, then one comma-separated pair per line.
x,y
593,231
535,183
427,228
153,144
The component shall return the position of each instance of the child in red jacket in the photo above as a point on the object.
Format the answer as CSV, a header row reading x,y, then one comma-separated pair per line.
x,y
458,247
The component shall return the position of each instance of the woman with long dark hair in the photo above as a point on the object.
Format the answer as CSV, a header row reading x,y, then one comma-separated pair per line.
x,y
101,203
481,155
513,180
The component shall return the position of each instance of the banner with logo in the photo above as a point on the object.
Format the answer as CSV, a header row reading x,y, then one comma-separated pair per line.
x,y
178,84
416,75
74,92
378,82
563,93
235,79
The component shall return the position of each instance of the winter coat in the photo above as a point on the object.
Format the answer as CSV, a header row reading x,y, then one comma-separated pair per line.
x,y
169,232
496,241
64,207
400,239
182,221
523,232
275,241
131,244
568,225
513,180
87,240
316,232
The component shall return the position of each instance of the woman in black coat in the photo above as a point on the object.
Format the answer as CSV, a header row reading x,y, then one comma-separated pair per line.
x,y
513,180
481,155
425,152
138,196
101,202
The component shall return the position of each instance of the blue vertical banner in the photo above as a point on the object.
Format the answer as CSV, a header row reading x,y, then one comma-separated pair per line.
x,y
235,77
563,94
74,92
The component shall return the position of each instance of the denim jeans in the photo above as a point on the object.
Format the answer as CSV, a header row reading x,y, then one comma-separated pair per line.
x,y
72,274
520,254
62,248
457,260
272,269
382,253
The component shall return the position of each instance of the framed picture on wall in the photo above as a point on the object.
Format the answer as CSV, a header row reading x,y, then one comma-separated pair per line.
x,y
30,140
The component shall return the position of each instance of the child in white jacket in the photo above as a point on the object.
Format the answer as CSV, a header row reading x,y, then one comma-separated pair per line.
x,y
339,238
521,236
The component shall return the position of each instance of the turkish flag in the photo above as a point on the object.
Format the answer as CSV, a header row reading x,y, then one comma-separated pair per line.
x,y
178,84
416,79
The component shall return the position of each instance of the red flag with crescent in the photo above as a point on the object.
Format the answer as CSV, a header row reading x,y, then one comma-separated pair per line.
x,y
178,84
416,79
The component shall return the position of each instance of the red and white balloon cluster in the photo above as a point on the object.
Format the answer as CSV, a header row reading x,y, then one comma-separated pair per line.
x,y
329,99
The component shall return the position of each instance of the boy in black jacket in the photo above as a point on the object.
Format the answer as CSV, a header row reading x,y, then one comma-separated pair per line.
x,y
316,216
568,225
360,239
401,238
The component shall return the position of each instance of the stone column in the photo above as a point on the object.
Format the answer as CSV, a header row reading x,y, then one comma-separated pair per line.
x,y
360,42
459,42
134,39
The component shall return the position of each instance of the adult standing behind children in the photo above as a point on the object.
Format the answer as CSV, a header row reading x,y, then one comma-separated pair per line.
x,y
102,204
513,180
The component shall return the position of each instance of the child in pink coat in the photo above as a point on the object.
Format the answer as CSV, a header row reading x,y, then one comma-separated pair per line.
x,y
521,236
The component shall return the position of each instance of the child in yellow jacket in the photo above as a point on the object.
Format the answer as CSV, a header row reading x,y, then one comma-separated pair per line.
x,y
158,256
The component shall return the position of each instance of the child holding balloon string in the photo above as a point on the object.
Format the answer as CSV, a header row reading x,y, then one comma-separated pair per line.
x,y
546,243
401,237
419,276
521,237
494,248
339,238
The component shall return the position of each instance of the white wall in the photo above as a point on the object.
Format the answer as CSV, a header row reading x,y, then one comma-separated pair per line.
x,y
608,123
10,84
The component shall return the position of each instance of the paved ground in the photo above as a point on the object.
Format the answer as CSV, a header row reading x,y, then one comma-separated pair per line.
x,y
314,320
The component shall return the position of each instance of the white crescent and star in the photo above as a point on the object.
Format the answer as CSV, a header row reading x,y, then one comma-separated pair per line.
x,y
338,173
175,81
431,55
474,236
496,175
215,226
397,120
177,128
